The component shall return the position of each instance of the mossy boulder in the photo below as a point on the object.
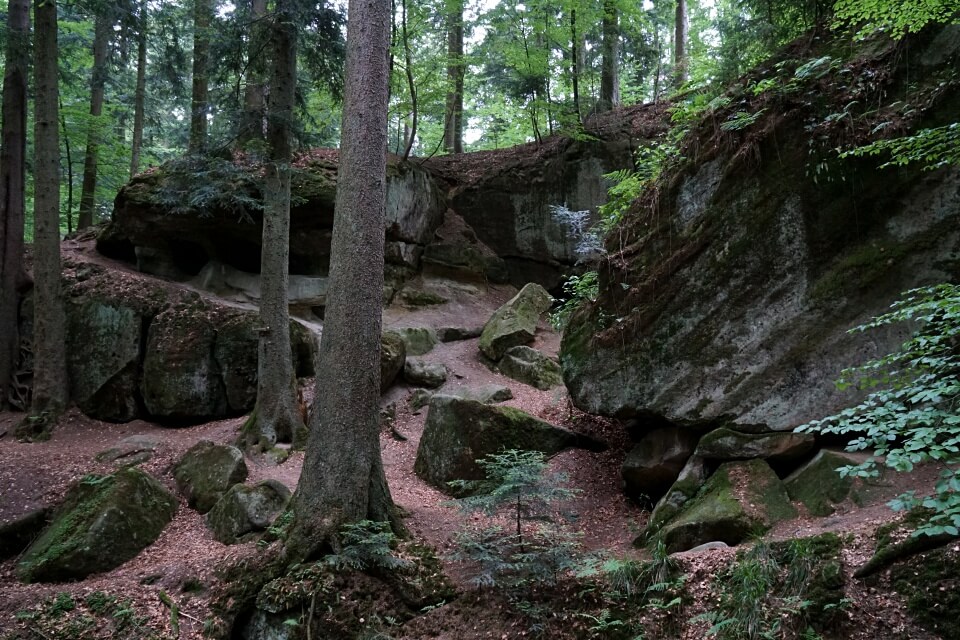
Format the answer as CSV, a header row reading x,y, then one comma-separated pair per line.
x,y
458,432
103,522
739,500
818,485
774,447
243,510
420,373
515,322
930,584
654,464
531,367
207,471
418,340
684,488
393,355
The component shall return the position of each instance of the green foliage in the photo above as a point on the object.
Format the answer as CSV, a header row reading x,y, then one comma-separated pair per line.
x,y
741,120
931,148
200,185
909,415
579,289
518,486
367,545
894,17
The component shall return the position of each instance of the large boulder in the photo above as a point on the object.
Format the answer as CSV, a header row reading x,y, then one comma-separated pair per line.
x,y
458,432
244,510
514,323
775,447
207,471
531,367
421,373
739,500
733,289
417,340
818,484
393,355
654,464
103,522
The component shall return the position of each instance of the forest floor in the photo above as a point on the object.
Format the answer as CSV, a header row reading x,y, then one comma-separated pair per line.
x,y
184,559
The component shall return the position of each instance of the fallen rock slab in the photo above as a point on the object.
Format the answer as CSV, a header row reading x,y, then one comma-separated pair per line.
x,y
514,323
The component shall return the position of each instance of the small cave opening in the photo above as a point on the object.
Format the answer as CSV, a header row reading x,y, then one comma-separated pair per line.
x,y
188,257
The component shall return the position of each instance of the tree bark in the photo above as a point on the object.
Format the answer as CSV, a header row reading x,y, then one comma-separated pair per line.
x,y
199,101
101,42
680,32
276,412
12,181
140,93
453,116
342,479
411,135
251,122
610,54
49,325
575,65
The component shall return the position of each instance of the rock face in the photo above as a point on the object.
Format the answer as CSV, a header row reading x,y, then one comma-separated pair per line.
x,y
514,323
244,510
736,287
737,501
818,485
393,355
458,432
727,444
531,367
653,465
207,471
103,522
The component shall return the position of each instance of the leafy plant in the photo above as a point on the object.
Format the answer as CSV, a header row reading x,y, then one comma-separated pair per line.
x,y
579,289
741,120
931,148
895,17
910,414
367,545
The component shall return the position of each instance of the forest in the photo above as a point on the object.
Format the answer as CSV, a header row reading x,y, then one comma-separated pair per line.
x,y
479,319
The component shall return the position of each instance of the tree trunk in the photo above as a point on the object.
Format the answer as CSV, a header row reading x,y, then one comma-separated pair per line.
x,y
140,92
251,122
680,58
202,22
575,67
342,479
12,181
453,116
277,417
101,42
49,323
410,136
610,54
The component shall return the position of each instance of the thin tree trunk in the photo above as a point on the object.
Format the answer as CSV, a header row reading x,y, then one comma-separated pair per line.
x,y
12,181
411,85
680,32
199,101
251,125
610,54
69,164
453,116
342,479
575,63
101,42
141,91
276,412
50,393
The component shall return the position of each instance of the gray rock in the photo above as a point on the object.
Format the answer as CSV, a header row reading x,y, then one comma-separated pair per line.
x,y
531,367
458,432
727,444
244,510
17,533
207,471
465,260
709,546
424,374
131,450
393,355
455,334
419,399
818,485
739,500
103,522
686,486
654,464
487,394
514,323
418,340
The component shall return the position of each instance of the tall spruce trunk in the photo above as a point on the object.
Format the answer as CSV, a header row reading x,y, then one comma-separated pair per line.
x,y
101,41
251,118
12,181
199,100
453,115
610,54
680,57
50,391
342,479
140,93
276,416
